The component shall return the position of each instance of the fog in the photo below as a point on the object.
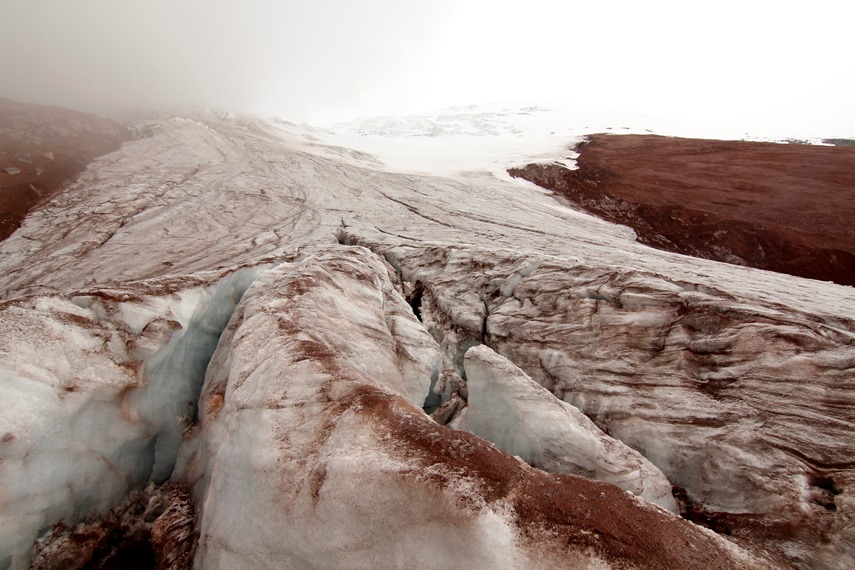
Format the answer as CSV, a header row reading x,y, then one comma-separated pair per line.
x,y
757,63
303,60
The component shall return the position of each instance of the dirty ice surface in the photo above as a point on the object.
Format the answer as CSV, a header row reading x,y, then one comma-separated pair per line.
x,y
696,365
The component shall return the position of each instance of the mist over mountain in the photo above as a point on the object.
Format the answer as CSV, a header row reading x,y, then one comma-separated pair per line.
x,y
756,67
298,60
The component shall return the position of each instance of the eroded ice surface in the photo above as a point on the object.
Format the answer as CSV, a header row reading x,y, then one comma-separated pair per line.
x,y
736,383
522,418
313,450
98,389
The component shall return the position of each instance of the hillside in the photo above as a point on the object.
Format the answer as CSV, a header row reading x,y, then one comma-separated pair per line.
x,y
779,207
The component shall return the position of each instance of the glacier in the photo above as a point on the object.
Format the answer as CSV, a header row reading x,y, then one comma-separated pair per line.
x,y
100,386
302,336
508,408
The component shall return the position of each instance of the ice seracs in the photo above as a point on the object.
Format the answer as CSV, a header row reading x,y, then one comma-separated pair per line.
x,y
522,418
312,444
713,387
313,450
98,388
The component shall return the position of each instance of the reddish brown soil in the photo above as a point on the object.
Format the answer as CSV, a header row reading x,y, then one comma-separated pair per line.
x,y
781,207
571,513
50,146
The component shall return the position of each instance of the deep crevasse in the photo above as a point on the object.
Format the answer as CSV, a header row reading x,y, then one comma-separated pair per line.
x,y
176,372
85,423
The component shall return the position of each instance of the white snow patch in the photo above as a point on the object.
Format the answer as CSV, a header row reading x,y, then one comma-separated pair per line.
x,y
496,136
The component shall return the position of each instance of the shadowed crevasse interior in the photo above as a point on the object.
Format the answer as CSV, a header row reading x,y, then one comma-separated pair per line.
x,y
177,371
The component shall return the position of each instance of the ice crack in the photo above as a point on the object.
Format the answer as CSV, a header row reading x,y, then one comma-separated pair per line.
x,y
176,372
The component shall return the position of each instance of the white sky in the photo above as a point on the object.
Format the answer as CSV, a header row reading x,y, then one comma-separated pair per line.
x,y
751,62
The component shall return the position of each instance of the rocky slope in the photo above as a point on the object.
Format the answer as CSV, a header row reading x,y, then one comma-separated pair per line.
x,y
41,149
317,351
780,207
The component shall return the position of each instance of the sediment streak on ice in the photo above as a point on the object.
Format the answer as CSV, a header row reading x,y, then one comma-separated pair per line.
x,y
736,383
313,450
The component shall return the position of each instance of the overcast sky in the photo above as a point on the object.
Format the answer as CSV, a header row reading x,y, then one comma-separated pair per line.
x,y
750,62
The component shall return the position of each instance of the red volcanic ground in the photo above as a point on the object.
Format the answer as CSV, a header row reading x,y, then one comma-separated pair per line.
x,y
41,149
788,208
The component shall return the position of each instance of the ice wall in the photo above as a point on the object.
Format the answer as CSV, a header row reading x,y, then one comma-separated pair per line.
x,y
175,373
523,418
312,450
83,423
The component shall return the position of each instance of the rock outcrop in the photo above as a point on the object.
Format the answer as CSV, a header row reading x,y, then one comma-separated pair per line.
x,y
152,528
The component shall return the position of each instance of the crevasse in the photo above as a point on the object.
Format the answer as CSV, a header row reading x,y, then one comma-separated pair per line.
x,y
98,444
175,373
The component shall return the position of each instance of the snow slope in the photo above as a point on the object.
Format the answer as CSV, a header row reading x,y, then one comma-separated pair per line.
x,y
494,137
735,384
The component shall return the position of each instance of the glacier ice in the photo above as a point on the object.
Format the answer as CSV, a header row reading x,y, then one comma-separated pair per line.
x,y
174,374
313,450
67,445
85,420
697,365
522,418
